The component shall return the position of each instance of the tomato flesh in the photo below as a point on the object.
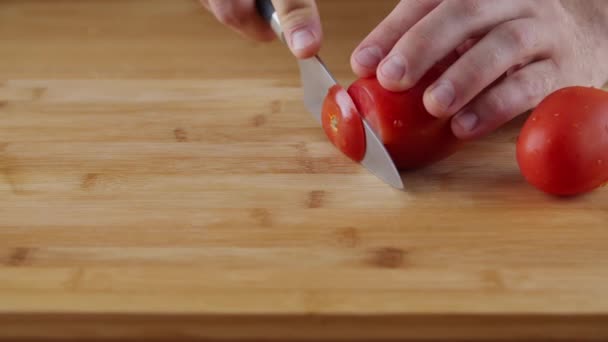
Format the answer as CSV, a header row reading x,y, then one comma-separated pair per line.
x,y
342,123
562,148
412,136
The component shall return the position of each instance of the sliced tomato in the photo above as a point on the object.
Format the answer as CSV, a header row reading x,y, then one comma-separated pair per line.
x,y
562,148
412,136
342,123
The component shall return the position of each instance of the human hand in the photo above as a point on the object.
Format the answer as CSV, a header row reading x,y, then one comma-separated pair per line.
x,y
513,54
299,20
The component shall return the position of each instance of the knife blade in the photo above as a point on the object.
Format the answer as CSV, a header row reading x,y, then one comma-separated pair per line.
x,y
316,81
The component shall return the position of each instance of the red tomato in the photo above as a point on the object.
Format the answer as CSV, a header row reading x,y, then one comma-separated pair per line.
x,y
563,146
413,137
343,124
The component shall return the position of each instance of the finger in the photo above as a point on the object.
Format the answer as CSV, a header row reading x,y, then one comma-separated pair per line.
x,y
301,26
205,4
242,16
503,48
440,33
516,94
379,42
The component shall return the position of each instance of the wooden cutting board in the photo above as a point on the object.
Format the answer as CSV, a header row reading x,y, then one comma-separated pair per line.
x,y
160,177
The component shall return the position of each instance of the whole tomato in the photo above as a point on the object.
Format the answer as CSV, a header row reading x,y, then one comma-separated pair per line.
x,y
413,137
563,146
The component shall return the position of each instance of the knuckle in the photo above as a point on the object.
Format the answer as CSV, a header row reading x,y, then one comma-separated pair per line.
x,y
528,84
556,76
297,17
471,73
519,35
471,8
491,60
391,31
535,84
420,41
294,5
494,105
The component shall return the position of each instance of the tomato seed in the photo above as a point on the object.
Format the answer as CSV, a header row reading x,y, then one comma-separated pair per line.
x,y
334,122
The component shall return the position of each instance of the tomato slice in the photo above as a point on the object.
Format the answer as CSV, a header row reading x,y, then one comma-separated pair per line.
x,y
342,123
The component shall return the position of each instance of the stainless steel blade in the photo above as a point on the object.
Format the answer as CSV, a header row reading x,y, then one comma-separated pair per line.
x,y
378,161
316,82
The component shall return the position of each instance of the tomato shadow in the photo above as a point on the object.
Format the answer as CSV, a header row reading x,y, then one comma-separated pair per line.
x,y
484,166
462,179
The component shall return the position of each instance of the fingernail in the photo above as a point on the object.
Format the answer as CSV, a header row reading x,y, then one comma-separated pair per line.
x,y
369,57
301,39
393,68
443,94
467,120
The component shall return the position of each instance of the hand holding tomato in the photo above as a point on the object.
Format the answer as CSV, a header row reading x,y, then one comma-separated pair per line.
x,y
413,138
514,53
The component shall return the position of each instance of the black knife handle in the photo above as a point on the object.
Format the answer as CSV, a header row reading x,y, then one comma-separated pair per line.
x,y
265,9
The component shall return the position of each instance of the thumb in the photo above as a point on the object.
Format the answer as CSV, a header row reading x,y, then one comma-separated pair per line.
x,y
301,26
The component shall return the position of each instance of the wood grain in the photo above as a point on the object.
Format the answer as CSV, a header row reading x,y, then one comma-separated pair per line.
x,y
161,179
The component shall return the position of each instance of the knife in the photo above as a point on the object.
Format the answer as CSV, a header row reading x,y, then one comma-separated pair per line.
x,y
316,82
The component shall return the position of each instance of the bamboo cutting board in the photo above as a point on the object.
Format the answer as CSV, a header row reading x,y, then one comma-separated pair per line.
x,y
160,178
